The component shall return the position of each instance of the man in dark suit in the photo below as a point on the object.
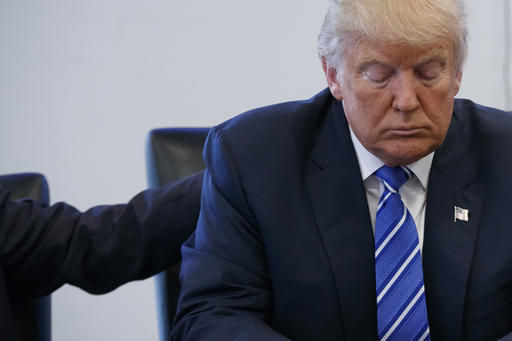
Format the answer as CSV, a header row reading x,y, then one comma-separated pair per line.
x,y
298,236
44,247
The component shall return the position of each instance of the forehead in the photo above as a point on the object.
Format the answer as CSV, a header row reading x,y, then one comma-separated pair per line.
x,y
399,54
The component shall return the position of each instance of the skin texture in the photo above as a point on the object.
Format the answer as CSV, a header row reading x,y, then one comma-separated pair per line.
x,y
398,98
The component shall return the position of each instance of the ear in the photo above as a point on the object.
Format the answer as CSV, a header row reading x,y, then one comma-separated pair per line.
x,y
458,81
331,74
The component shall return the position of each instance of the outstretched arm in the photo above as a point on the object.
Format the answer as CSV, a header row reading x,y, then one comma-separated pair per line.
x,y
45,247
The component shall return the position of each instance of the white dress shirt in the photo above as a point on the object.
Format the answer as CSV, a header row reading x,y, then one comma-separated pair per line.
x,y
413,192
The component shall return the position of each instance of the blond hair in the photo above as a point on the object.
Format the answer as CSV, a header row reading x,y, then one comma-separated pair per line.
x,y
414,22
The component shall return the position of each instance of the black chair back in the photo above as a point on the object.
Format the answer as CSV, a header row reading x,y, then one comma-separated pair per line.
x,y
31,316
171,154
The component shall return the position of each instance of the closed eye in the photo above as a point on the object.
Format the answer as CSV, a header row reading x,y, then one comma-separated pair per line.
x,y
430,70
378,73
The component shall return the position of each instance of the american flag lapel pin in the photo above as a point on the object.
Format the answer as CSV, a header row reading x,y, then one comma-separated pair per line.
x,y
461,214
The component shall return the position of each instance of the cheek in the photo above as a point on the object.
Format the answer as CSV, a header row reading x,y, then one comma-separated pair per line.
x,y
363,123
361,98
440,112
365,109
444,124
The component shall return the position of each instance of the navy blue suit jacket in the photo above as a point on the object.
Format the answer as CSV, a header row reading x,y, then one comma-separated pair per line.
x,y
42,248
284,246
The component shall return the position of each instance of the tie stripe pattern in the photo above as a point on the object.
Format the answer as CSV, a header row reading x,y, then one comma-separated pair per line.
x,y
401,305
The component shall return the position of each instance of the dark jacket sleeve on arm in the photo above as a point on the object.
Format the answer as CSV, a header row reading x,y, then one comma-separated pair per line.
x,y
226,289
42,248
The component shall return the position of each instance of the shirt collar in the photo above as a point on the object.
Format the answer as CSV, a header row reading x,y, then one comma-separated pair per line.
x,y
369,163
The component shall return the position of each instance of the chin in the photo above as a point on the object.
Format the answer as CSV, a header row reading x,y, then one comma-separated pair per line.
x,y
403,156
399,152
398,161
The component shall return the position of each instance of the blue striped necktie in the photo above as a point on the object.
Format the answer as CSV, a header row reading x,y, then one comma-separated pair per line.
x,y
401,305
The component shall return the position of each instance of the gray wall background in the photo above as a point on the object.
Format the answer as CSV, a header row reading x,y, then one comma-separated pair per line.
x,y
82,82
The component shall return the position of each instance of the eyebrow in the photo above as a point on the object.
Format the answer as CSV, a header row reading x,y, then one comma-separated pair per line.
x,y
428,59
439,59
364,65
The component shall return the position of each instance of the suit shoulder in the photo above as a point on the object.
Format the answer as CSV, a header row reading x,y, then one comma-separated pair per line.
x,y
274,120
475,119
272,140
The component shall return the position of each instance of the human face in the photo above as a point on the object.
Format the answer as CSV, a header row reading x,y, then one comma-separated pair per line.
x,y
398,99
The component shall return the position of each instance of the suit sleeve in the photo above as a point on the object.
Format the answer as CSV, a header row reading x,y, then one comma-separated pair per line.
x,y
42,248
226,288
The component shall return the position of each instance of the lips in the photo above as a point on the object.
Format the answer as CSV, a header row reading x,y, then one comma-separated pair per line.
x,y
406,130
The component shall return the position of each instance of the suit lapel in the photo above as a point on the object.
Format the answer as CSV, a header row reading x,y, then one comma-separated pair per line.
x,y
448,244
338,199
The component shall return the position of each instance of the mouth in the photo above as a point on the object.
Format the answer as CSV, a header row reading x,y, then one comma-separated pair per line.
x,y
406,131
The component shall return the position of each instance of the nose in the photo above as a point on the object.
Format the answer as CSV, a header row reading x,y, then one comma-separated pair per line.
x,y
405,93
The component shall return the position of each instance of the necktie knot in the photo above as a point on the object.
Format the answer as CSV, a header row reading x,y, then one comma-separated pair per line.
x,y
395,177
